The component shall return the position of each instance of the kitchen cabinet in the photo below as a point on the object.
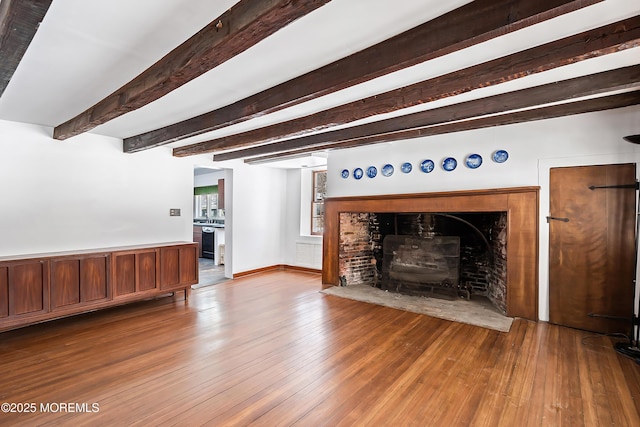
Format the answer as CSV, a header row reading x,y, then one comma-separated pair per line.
x,y
50,286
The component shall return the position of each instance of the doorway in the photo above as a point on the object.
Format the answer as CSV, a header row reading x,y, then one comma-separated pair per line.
x,y
592,247
210,226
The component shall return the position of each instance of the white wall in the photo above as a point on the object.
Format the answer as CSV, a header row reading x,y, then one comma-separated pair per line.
x,y
535,147
255,216
300,248
85,193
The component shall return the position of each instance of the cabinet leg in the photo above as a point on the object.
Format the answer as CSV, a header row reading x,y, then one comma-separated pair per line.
x,y
187,293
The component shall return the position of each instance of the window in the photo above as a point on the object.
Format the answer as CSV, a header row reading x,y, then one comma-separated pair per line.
x,y
317,201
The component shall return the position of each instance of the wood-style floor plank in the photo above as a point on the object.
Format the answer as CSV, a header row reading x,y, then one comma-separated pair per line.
x,y
270,349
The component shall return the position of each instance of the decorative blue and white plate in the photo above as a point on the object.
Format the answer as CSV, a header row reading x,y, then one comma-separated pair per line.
x,y
372,171
500,156
345,173
387,170
449,164
357,173
406,167
427,166
474,161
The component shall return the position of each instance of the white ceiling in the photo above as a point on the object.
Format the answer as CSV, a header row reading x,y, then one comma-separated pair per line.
x,y
84,50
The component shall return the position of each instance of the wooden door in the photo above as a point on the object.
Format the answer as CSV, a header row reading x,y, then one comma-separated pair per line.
x,y
592,247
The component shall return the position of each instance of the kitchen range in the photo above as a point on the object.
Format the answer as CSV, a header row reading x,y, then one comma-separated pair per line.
x,y
208,221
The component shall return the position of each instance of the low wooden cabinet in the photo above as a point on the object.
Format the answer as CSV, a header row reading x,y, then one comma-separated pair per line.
x,y
178,266
46,287
135,272
25,288
80,279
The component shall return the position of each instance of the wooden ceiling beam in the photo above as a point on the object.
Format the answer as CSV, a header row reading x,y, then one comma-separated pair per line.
x,y
597,42
236,30
19,21
474,23
579,107
594,84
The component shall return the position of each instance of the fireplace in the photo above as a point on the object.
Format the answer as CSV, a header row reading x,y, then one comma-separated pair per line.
x,y
427,254
421,265
509,217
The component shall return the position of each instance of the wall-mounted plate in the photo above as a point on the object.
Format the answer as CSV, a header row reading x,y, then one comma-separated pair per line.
x,y
427,166
449,164
372,171
474,161
357,173
500,156
387,170
345,173
406,167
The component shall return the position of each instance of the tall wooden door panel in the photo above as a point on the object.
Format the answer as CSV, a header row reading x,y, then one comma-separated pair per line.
x,y
591,247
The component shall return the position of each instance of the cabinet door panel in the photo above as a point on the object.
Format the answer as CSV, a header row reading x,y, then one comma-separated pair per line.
x,y
170,267
65,282
4,291
188,264
124,275
147,271
94,279
27,288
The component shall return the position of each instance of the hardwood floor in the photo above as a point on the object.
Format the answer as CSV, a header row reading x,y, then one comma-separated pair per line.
x,y
269,349
208,273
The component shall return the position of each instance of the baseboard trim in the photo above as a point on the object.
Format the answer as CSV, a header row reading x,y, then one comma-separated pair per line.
x,y
276,268
303,269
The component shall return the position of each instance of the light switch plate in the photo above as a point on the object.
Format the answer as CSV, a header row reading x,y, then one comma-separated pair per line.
x,y
174,212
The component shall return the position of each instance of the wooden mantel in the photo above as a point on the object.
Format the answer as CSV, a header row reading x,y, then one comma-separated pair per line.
x,y
520,203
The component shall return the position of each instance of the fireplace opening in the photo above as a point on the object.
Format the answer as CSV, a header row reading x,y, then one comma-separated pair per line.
x,y
450,255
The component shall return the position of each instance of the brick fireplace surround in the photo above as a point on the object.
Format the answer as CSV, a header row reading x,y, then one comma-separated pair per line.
x,y
521,205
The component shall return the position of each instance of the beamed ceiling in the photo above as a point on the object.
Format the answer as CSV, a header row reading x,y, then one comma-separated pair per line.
x,y
265,80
